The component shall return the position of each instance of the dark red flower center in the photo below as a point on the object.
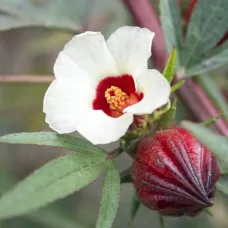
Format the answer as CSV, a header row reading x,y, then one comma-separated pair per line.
x,y
114,94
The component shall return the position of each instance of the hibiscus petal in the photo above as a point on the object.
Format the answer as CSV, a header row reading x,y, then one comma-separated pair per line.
x,y
66,69
90,53
156,91
68,108
100,128
131,48
63,104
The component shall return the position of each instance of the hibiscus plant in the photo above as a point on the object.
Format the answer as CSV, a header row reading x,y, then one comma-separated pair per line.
x,y
105,90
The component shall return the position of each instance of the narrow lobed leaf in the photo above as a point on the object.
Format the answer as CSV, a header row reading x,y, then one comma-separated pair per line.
x,y
207,26
216,58
110,197
216,143
170,66
48,14
57,179
172,26
51,216
52,139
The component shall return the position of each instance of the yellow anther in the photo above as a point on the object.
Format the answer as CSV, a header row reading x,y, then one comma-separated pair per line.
x,y
115,97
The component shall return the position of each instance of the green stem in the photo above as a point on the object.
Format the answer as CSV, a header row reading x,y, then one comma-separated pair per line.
x,y
125,176
114,154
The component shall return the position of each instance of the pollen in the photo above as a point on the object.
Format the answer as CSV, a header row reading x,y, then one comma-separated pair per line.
x,y
116,98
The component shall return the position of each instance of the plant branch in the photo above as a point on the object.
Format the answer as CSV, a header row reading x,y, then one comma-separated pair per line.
x,y
33,79
114,154
192,94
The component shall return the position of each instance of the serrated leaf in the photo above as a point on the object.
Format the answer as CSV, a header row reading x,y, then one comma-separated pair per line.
x,y
171,24
207,26
216,143
135,205
52,139
57,179
213,91
110,197
215,59
50,216
50,14
177,86
170,66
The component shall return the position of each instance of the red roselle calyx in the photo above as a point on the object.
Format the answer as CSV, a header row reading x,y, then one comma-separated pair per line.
x,y
174,173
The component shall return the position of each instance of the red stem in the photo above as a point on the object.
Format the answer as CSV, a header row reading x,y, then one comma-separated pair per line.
x,y
30,79
192,94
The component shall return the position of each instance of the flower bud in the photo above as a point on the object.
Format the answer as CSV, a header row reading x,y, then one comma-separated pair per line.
x,y
174,173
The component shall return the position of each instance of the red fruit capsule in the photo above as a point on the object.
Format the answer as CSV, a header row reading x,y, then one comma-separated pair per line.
x,y
174,173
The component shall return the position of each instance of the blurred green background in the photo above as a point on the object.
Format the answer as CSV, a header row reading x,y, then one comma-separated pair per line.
x,y
33,51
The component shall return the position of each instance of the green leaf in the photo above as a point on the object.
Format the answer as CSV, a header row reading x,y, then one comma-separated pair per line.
x,y
50,216
177,86
222,185
223,168
170,66
50,14
110,197
207,26
57,179
216,58
134,206
213,91
172,25
210,121
52,139
216,143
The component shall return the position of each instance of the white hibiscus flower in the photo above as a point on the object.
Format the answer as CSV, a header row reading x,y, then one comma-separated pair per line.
x,y
99,85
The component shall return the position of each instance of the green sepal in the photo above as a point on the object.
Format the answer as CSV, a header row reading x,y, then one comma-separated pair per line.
x,y
211,121
170,66
135,205
208,212
177,86
168,118
161,221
